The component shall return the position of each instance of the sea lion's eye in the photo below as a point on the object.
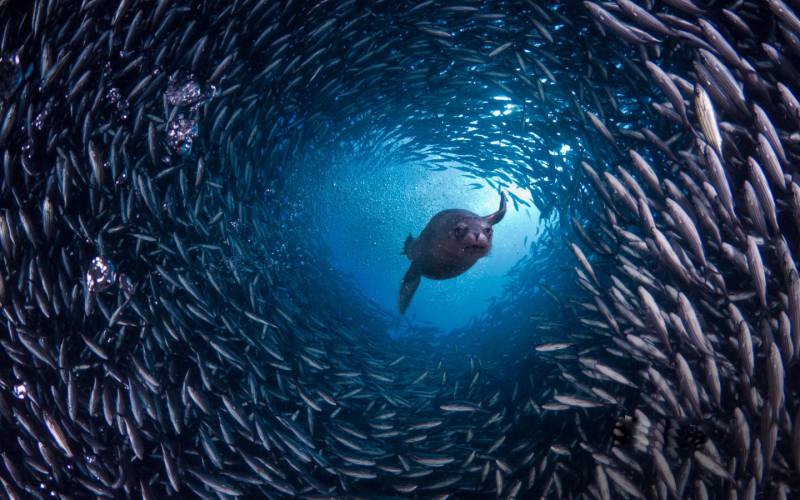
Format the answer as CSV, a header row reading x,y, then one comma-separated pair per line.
x,y
487,230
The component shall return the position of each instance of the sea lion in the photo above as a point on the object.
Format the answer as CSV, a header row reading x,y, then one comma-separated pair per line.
x,y
452,241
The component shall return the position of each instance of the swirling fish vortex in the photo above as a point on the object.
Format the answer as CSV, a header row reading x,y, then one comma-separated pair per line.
x,y
173,326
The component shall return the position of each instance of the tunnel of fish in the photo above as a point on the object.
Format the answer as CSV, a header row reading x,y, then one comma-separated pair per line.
x,y
172,326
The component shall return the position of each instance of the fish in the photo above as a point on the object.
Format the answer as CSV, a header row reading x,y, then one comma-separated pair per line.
x,y
459,407
704,109
576,402
552,346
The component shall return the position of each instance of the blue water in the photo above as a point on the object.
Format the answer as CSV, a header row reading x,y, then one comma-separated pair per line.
x,y
364,222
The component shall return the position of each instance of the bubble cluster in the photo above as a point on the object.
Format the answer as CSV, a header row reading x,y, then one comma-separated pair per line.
x,y
181,132
101,275
20,391
39,121
114,97
186,92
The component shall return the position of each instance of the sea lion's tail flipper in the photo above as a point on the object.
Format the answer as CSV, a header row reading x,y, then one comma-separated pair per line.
x,y
501,212
407,287
407,246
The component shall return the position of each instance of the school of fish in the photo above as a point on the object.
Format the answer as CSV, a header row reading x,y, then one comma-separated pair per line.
x,y
171,330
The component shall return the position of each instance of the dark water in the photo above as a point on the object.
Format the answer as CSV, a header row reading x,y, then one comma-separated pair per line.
x,y
203,210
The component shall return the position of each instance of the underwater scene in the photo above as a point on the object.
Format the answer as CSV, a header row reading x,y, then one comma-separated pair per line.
x,y
390,249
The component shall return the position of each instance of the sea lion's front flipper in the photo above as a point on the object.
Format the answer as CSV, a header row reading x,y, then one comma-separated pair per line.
x,y
407,287
407,245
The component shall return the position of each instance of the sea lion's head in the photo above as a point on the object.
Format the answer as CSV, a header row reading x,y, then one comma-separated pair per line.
x,y
473,235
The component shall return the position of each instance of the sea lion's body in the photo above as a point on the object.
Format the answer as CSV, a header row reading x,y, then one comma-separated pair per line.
x,y
439,257
452,241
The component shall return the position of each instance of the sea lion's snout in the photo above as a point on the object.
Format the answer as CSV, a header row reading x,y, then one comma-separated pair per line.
x,y
477,241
